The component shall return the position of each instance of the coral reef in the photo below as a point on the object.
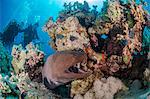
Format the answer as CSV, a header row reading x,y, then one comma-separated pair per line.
x,y
81,11
112,41
115,40
113,11
25,80
5,60
82,86
22,87
4,88
31,60
34,62
18,60
67,35
103,89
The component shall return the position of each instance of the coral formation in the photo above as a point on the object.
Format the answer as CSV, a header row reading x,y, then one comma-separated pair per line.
x,y
4,88
81,11
25,80
116,42
21,86
112,41
34,62
5,60
82,86
103,89
18,58
31,60
113,11
67,35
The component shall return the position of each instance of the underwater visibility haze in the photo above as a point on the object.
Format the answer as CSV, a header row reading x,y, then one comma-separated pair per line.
x,y
114,36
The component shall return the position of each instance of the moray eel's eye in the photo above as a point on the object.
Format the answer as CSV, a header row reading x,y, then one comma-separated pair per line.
x,y
73,38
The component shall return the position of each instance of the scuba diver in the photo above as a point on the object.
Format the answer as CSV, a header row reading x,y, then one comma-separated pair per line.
x,y
12,30
30,33
57,69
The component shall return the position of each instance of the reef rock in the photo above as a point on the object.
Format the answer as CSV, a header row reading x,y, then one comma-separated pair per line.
x,y
67,35
103,89
29,60
110,41
25,80
18,60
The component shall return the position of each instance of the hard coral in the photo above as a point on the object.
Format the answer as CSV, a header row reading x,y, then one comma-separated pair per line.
x,y
18,60
103,89
27,65
34,62
109,40
21,85
114,10
4,88
30,60
82,86
68,35
81,11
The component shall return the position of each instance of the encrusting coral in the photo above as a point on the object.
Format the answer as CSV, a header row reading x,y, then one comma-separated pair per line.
x,y
110,41
83,12
4,88
103,89
21,86
26,79
18,60
114,10
31,60
67,35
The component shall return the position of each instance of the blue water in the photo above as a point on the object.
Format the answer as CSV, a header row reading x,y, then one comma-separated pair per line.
x,y
31,11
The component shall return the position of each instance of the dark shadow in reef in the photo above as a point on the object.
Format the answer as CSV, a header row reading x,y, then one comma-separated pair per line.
x,y
63,90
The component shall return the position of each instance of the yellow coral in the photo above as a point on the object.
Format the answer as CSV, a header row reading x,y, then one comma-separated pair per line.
x,y
81,86
115,10
18,62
